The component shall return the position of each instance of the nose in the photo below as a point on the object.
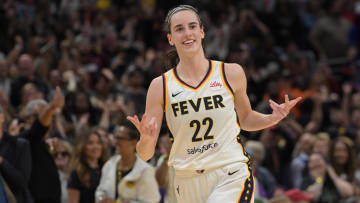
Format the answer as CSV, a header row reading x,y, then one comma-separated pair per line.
x,y
187,32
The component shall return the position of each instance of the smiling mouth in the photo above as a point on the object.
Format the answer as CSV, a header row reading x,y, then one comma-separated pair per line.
x,y
189,42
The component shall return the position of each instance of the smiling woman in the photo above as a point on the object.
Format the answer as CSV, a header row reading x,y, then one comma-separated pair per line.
x,y
206,106
88,159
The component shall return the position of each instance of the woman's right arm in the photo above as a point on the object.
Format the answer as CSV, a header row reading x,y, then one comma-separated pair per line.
x,y
73,187
149,125
74,195
345,188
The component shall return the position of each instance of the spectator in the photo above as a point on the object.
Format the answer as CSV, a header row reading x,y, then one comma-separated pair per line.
x,y
4,79
5,194
44,181
342,157
15,163
27,75
126,177
278,150
80,112
286,23
298,165
164,173
89,157
322,144
62,155
311,13
265,181
135,94
323,182
329,35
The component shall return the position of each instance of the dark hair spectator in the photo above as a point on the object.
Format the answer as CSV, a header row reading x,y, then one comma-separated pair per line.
x,y
90,154
342,157
126,177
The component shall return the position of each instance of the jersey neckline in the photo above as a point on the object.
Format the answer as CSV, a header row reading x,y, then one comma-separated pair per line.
x,y
203,81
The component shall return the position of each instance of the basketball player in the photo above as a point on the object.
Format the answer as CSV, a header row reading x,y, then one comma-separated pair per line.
x,y
202,100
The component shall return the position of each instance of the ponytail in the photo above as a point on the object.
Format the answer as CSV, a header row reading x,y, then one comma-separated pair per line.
x,y
171,59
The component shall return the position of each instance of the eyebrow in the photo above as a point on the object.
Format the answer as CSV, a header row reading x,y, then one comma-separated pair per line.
x,y
180,25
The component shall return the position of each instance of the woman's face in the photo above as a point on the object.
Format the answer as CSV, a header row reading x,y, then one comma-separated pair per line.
x,y
124,144
93,147
341,154
321,146
316,162
62,158
185,32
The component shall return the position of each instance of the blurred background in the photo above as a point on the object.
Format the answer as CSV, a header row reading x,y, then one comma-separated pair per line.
x,y
103,54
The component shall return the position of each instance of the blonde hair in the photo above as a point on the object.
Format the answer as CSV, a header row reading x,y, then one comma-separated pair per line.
x,y
322,136
67,147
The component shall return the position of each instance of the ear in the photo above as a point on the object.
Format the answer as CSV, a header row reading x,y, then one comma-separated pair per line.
x,y
202,32
169,39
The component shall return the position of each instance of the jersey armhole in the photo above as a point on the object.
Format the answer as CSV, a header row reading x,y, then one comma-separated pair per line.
x,y
225,81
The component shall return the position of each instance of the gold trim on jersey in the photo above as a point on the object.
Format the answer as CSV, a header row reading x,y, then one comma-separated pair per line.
x,y
249,187
165,89
202,83
223,77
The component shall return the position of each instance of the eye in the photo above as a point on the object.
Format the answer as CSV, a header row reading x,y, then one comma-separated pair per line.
x,y
192,27
179,29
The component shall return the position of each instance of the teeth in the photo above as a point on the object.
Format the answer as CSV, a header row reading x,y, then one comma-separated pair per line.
x,y
188,42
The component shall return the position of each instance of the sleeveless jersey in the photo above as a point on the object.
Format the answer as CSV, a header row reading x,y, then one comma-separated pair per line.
x,y
202,121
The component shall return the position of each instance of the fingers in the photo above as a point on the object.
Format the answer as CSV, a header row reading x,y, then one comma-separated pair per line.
x,y
134,120
145,127
277,108
286,99
295,101
292,103
289,104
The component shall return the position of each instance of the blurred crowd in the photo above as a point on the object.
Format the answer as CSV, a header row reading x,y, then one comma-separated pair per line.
x,y
72,70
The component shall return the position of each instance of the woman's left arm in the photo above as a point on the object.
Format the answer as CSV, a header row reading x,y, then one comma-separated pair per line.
x,y
251,120
345,188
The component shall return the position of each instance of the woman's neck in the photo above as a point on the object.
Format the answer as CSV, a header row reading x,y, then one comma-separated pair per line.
x,y
93,163
127,162
193,69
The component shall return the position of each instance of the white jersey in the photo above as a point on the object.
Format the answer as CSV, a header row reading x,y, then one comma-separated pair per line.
x,y
202,121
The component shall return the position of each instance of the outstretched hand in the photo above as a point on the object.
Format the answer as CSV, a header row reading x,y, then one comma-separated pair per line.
x,y
147,127
280,111
59,100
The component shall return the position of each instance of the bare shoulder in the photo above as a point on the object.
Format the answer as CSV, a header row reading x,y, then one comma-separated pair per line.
x,y
157,82
155,91
234,69
235,75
